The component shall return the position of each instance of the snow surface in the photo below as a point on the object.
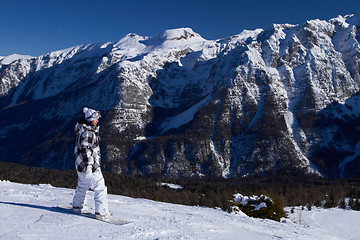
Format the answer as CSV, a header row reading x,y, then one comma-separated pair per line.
x,y
12,58
184,117
29,212
244,200
171,185
349,159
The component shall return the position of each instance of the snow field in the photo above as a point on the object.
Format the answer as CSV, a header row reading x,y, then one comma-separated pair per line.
x,y
29,212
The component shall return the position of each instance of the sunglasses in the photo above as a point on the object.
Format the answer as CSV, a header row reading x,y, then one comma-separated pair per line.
x,y
94,115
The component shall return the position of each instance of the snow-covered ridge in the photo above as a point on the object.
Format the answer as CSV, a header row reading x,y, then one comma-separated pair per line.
x,y
12,58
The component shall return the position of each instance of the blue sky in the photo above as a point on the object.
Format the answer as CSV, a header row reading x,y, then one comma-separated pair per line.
x,y
36,27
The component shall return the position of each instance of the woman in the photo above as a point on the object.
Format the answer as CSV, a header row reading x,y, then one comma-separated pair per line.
x,y
87,164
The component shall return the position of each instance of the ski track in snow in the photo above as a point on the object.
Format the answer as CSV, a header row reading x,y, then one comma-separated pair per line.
x,y
29,212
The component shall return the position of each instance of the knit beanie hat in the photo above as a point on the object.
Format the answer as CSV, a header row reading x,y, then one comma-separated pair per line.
x,y
91,114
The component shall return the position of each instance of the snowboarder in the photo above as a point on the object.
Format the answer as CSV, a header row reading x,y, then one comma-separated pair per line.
x,y
87,164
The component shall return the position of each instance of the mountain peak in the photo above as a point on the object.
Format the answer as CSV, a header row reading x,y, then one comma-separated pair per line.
x,y
352,19
13,57
174,38
179,34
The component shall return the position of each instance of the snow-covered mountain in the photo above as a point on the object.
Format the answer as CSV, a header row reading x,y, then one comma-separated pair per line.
x,y
281,100
29,212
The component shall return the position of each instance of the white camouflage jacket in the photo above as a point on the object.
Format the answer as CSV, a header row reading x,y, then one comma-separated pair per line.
x,y
87,149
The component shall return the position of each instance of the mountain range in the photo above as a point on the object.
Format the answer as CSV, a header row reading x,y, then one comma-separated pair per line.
x,y
284,100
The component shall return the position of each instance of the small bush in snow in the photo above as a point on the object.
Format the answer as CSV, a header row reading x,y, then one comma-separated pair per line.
x,y
354,204
258,206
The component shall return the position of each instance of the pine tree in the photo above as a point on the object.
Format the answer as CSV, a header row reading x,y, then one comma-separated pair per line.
x,y
356,205
309,206
351,202
342,204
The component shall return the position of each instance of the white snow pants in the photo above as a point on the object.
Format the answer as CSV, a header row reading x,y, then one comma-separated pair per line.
x,y
94,181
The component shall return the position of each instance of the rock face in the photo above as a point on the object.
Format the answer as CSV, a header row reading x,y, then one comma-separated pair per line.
x,y
277,101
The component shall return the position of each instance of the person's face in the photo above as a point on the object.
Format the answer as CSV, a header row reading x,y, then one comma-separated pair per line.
x,y
94,122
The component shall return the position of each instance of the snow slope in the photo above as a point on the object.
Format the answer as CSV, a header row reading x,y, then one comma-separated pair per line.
x,y
29,212
12,58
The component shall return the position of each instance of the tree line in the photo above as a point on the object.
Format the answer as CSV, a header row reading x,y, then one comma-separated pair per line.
x,y
306,190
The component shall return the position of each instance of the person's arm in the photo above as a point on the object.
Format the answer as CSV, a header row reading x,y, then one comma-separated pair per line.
x,y
86,147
